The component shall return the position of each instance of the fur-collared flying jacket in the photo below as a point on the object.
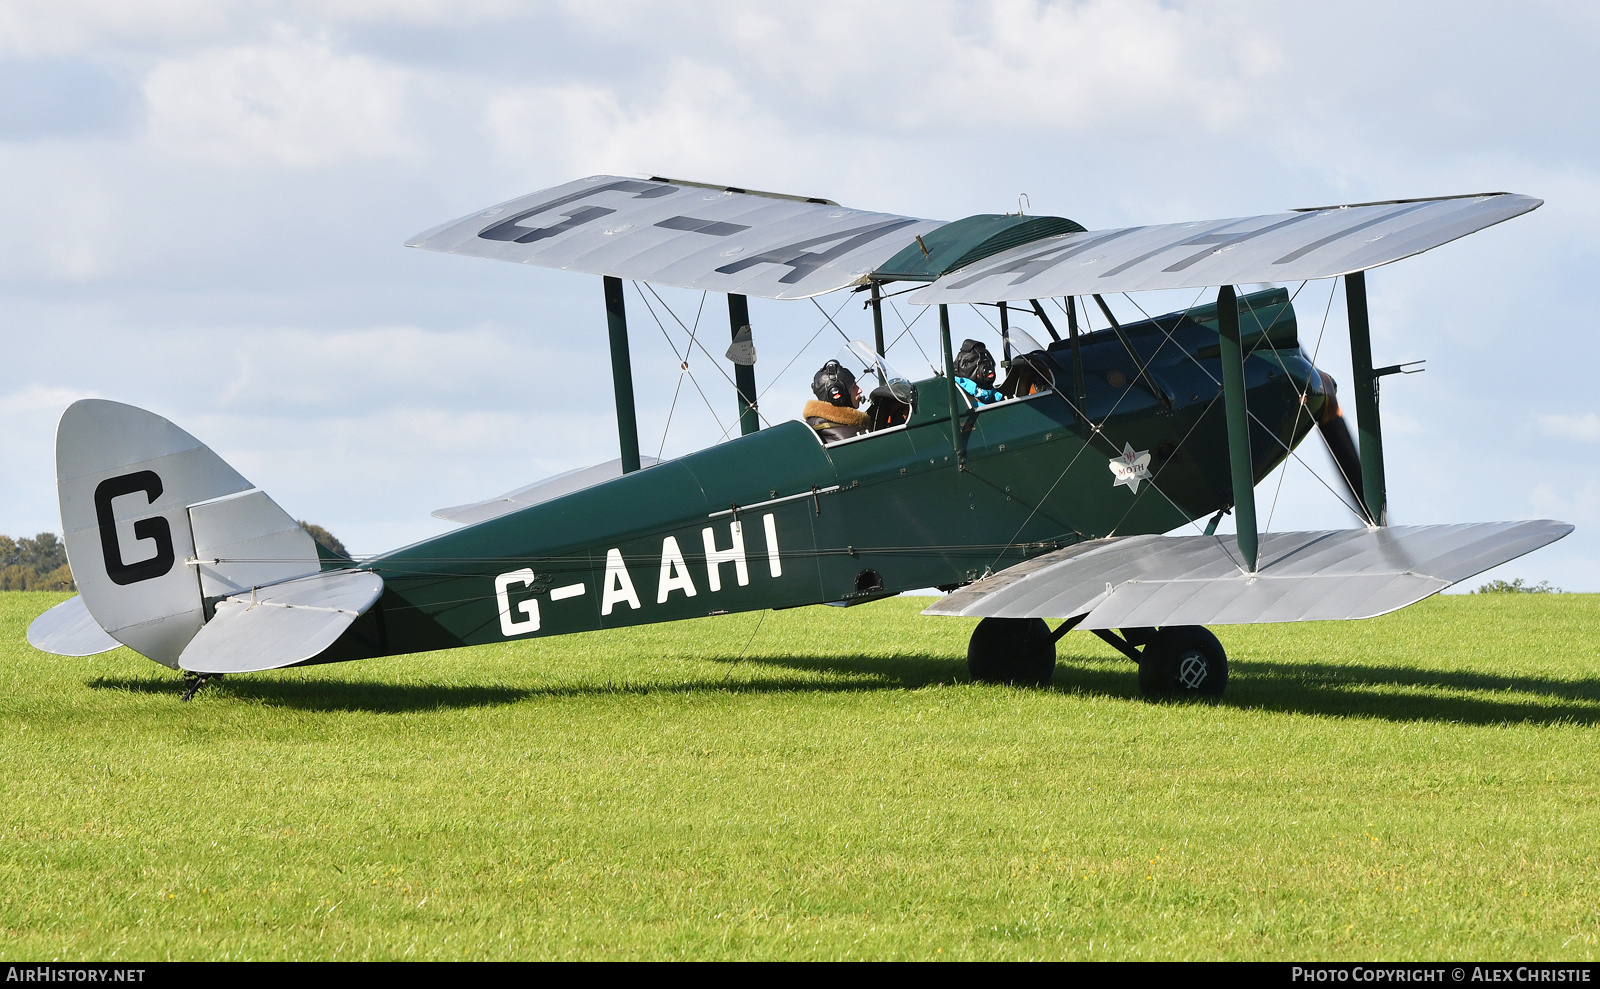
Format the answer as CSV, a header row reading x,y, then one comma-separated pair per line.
x,y
834,422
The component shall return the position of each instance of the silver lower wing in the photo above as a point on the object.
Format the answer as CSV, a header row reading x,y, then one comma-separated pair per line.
x,y
538,492
1151,581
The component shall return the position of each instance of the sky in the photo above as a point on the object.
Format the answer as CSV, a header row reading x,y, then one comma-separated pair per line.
x,y
204,206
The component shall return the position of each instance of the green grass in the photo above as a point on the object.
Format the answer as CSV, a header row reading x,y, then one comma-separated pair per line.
x,y
1418,786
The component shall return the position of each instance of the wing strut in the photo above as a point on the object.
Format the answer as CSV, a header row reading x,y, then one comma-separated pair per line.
x,y
1133,355
877,316
744,375
622,375
1366,384
1244,478
950,383
1049,327
1077,358
1005,333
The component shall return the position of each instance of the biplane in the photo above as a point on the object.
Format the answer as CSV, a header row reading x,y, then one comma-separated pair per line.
x,y
1088,495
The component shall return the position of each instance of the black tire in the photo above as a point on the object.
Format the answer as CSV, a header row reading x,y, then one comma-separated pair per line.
x,y
1183,661
1019,651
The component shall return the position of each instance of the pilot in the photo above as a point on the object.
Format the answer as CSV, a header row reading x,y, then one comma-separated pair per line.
x,y
974,367
836,411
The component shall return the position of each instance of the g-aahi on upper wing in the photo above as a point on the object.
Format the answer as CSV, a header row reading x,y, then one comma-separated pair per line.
x,y
686,235
1279,247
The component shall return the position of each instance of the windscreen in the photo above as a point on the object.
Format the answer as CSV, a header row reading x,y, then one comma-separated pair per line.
x,y
867,364
1020,341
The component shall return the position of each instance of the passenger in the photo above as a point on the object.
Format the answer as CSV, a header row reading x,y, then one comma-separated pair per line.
x,y
1028,377
974,367
836,412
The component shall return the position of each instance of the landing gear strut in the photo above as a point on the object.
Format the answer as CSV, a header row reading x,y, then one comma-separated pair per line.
x,y
1175,661
192,682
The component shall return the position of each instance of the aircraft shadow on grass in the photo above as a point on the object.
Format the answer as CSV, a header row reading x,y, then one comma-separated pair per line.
x,y
860,673
1392,693
1397,693
333,695
1389,692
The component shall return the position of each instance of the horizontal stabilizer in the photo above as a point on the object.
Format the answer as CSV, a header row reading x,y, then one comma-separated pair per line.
x,y
538,492
69,630
1278,247
1152,581
281,624
685,234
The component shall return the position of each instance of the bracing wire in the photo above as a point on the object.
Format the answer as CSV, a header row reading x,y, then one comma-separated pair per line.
x,y
752,638
1271,432
831,323
670,409
1096,431
692,341
683,359
907,332
828,320
1283,473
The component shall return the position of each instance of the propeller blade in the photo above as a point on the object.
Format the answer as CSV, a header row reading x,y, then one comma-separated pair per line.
x,y
1341,443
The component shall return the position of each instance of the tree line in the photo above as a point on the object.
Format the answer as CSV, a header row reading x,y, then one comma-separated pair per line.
x,y
37,564
40,563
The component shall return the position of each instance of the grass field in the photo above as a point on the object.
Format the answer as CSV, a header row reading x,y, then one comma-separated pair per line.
x,y
1418,786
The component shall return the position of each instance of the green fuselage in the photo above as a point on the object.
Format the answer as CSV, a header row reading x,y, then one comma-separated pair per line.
x,y
775,519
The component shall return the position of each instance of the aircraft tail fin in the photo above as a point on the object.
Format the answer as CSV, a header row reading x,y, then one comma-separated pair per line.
x,y
159,529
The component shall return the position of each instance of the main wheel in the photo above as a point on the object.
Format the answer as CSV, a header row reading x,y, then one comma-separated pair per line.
x,y
1012,650
1183,661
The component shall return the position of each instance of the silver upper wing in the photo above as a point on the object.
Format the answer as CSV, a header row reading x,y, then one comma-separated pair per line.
x,y
1280,247
684,235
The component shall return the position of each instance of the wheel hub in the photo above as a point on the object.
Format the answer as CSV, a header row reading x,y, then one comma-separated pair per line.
x,y
1192,670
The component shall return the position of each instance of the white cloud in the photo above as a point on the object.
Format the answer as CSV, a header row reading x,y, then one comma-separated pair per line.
x,y
28,28
62,218
1584,428
1570,504
28,419
324,372
1117,66
39,398
297,102
700,122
